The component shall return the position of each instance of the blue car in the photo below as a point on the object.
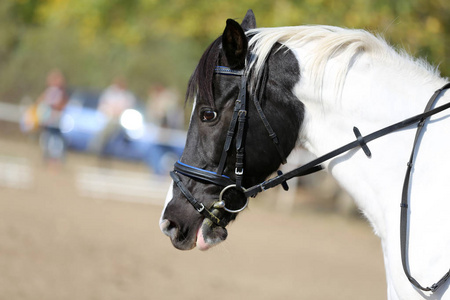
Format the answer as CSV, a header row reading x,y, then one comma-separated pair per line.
x,y
81,122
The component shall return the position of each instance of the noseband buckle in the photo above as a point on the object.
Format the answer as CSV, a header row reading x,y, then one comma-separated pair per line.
x,y
201,208
237,172
233,211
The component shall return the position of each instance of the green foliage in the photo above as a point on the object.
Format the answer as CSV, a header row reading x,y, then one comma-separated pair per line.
x,y
150,41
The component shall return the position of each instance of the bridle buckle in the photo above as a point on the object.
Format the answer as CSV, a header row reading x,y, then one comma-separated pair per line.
x,y
237,172
201,208
242,112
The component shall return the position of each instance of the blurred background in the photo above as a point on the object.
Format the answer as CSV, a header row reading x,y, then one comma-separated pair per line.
x,y
83,181
149,41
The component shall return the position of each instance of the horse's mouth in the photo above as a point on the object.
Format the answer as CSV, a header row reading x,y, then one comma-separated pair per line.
x,y
209,235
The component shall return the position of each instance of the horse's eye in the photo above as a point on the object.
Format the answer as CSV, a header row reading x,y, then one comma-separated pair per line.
x,y
208,115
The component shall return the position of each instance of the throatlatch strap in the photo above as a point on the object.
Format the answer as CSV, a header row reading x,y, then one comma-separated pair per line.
x,y
404,204
261,88
269,129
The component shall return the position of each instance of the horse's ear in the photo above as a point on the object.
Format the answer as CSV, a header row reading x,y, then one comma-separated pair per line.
x,y
235,44
249,21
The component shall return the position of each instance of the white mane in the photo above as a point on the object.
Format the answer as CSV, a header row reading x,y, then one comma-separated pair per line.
x,y
330,42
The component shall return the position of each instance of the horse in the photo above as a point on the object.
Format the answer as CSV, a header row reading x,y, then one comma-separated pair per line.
x,y
260,92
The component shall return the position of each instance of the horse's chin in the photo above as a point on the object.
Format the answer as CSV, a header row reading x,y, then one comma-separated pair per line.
x,y
209,235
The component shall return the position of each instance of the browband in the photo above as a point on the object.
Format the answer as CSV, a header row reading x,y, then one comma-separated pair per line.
x,y
228,71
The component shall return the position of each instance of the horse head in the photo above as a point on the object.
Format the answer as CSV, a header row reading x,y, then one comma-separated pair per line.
x,y
232,140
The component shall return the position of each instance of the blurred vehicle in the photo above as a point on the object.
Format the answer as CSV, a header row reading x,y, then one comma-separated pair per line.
x,y
137,140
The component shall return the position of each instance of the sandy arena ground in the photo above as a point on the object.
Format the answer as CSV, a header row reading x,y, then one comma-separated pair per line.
x,y
58,242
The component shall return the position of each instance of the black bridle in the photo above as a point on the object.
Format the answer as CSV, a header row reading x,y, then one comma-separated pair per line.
x,y
237,128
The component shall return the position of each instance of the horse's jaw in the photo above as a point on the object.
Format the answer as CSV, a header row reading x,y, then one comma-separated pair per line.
x,y
209,235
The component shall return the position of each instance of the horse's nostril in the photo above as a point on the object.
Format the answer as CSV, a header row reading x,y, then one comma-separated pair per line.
x,y
169,228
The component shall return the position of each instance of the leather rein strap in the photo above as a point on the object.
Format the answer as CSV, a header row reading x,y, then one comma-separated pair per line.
x,y
361,141
404,203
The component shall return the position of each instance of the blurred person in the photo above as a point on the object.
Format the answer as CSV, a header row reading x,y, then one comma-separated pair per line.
x,y
49,107
163,109
29,121
114,100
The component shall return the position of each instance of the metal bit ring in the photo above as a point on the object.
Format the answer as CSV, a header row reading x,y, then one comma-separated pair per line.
x,y
231,210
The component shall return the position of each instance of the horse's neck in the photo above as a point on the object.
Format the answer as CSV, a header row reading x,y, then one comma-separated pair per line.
x,y
373,97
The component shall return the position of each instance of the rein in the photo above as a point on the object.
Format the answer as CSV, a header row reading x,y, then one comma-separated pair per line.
x,y
404,203
361,141
237,130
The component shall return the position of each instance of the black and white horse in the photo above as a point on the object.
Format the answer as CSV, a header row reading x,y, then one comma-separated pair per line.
x,y
259,92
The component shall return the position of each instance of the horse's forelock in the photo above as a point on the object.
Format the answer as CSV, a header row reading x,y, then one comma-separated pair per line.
x,y
200,83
